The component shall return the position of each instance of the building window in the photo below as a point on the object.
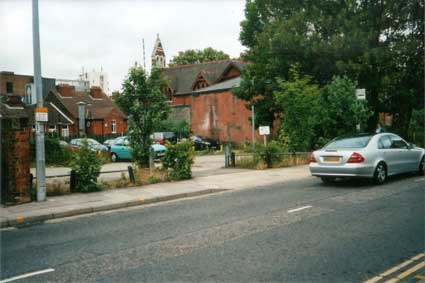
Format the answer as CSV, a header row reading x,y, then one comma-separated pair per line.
x,y
52,129
65,131
9,87
114,126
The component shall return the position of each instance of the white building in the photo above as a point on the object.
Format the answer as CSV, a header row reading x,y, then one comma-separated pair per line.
x,y
99,79
79,85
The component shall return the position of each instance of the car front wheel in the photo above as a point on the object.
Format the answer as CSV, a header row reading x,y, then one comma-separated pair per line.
x,y
114,157
380,175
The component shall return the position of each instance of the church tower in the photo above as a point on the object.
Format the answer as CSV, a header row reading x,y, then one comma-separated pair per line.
x,y
158,55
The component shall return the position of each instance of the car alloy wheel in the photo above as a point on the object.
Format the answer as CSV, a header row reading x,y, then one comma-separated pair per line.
x,y
380,174
114,157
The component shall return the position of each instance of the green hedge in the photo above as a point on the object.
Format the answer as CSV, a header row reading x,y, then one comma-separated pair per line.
x,y
54,153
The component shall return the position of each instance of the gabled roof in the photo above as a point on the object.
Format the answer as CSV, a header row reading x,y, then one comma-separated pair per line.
x,y
99,108
225,85
181,78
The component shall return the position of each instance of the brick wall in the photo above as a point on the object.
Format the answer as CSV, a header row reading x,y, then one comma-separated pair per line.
x,y
221,116
181,99
16,149
18,81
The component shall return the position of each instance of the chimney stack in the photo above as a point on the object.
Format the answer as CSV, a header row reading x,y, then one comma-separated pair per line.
x,y
96,92
66,90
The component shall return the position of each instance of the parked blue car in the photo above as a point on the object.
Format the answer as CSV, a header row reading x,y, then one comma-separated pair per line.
x,y
121,150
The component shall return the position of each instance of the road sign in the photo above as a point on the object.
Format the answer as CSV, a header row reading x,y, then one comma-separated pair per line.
x,y
41,114
264,130
30,94
361,94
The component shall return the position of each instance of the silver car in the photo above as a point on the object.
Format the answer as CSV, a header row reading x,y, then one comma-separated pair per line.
x,y
371,156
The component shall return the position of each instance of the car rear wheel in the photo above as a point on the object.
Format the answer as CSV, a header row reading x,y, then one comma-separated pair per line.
x,y
328,180
422,166
380,175
114,157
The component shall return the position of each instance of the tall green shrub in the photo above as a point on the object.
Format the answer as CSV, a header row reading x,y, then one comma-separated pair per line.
x,y
87,167
178,160
298,98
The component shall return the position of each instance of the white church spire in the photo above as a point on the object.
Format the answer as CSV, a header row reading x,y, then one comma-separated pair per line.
x,y
158,55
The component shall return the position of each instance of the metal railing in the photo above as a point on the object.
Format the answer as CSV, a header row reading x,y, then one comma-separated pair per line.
x,y
73,176
276,159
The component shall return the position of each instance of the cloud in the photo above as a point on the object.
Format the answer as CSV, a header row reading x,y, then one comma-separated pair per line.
x,y
108,34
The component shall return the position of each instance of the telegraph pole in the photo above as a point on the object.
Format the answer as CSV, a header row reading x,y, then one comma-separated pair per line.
x,y
39,132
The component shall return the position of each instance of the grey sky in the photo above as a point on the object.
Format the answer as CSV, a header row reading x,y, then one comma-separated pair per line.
x,y
109,33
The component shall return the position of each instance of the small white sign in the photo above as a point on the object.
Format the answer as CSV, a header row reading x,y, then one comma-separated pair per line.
x,y
361,94
264,130
41,117
41,114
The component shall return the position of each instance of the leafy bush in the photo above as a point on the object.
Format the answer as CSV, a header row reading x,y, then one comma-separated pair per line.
x,y
87,167
54,153
178,160
340,111
417,127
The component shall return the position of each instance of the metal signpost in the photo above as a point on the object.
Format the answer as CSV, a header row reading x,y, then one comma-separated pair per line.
x,y
360,95
264,131
39,129
253,127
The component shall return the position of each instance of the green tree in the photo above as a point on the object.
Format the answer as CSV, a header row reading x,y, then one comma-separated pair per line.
x,y
146,105
340,112
192,56
298,99
378,43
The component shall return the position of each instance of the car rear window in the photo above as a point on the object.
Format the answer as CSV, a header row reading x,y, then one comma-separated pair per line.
x,y
350,142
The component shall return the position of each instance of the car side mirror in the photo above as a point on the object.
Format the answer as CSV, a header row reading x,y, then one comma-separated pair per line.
x,y
411,145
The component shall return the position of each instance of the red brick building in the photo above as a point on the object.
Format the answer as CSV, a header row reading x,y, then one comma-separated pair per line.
x,y
204,90
103,117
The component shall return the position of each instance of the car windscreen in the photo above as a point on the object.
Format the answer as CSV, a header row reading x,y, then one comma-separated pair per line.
x,y
350,142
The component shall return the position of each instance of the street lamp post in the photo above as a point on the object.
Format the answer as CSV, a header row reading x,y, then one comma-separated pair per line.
x,y
39,129
82,118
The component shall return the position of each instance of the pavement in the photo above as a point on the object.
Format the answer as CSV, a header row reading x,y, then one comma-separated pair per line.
x,y
211,179
287,227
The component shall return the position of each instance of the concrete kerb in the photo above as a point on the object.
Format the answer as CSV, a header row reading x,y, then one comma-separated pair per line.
x,y
20,221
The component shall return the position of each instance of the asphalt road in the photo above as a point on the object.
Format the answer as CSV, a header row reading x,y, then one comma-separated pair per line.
x,y
300,231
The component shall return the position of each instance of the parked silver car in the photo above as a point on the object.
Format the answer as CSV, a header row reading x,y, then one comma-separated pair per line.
x,y
370,156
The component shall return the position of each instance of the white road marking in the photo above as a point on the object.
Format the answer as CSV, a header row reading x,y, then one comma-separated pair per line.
x,y
295,209
27,275
418,180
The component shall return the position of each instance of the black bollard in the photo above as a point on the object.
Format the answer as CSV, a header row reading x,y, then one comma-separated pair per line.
x,y
73,181
131,174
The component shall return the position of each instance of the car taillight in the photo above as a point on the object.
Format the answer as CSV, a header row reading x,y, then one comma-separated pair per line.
x,y
355,158
312,158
